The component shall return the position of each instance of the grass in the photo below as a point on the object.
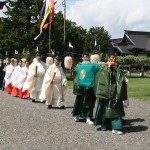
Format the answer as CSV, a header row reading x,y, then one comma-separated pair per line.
x,y
69,81
139,88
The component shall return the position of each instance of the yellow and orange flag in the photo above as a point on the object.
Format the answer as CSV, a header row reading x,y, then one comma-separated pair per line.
x,y
49,11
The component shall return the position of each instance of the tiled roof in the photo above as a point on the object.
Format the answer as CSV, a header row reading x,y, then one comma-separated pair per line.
x,y
133,40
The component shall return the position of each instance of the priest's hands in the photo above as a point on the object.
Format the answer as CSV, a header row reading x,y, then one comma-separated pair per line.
x,y
111,64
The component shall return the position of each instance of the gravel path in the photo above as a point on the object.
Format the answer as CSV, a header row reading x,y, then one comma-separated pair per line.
x,y
31,126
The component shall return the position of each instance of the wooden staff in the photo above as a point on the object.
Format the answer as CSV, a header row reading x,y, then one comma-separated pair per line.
x,y
36,68
53,77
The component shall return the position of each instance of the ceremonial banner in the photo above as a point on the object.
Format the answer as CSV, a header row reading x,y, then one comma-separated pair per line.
x,y
86,74
49,10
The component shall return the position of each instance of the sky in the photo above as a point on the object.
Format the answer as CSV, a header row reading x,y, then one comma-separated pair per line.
x,y
115,15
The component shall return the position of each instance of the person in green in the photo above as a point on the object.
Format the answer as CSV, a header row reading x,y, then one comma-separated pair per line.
x,y
79,92
89,97
85,99
110,88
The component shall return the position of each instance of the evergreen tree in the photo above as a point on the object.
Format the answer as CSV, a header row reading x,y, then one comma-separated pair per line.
x,y
17,30
102,40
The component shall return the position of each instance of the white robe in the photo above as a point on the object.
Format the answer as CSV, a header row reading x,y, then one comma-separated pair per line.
x,y
56,91
126,102
9,70
35,83
15,76
22,77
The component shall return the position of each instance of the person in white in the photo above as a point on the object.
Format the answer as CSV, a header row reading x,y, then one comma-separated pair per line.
x,y
21,80
23,75
7,78
23,62
49,62
14,79
54,85
35,77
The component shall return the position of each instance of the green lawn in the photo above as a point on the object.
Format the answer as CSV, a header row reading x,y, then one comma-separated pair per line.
x,y
69,81
139,88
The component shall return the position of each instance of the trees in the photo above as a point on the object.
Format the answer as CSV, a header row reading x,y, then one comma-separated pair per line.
x,y
74,34
133,60
17,31
101,36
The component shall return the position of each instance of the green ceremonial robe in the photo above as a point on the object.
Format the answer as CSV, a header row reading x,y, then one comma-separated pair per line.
x,y
110,88
85,100
79,92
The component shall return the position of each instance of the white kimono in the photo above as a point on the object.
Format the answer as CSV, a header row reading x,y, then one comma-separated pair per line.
x,y
34,84
54,92
15,76
9,70
22,77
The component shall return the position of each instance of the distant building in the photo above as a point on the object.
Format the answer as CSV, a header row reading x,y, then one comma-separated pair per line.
x,y
133,43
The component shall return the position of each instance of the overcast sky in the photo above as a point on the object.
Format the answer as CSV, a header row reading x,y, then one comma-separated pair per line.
x,y
114,15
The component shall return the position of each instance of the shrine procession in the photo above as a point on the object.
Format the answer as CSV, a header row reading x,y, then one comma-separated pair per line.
x,y
69,80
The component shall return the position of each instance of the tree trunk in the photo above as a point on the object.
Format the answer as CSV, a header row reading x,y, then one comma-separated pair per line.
x,y
142,70
130,70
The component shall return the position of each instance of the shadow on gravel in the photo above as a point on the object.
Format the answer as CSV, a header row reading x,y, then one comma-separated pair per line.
x,y
138,128
67,107
83,120
129,121
130,126
38,102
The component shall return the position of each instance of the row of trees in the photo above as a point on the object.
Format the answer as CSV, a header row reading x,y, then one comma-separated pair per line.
x,y
18,31
134,61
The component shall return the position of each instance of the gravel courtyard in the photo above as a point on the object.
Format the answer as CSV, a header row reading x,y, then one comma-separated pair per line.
x,y
31,126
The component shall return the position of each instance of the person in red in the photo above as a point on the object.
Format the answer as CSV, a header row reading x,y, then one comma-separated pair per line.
x,y
21,81
15,77
9,70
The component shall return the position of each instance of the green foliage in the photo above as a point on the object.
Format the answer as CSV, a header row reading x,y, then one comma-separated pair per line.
x,y
17,32
74,34
103,57
26,54
102,37
133,60
127,60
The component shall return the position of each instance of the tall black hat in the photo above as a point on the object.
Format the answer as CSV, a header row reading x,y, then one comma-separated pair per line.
x,y
38,53
111,51
58,58
85,53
